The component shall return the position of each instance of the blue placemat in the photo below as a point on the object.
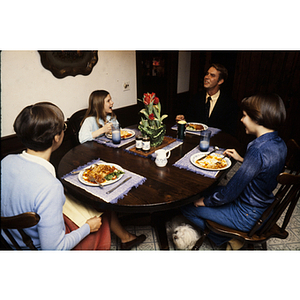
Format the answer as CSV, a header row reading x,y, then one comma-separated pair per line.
x,y
113,197
212,129
108,142
185,163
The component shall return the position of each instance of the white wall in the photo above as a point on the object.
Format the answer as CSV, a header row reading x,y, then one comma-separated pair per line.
x,y
25,81
184,67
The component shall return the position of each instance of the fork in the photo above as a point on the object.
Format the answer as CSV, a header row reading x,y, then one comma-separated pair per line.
x,y
218,162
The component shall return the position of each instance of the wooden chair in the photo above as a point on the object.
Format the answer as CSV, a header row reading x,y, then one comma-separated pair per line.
x,y
19,222
74,125
292,164
286,198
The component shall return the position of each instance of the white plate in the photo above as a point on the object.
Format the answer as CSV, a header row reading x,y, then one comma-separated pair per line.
x,y
109,136
106,182
205,127
196,156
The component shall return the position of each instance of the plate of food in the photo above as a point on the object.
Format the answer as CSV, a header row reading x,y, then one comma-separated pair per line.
x,y
213,162
125,134
193,126
102,173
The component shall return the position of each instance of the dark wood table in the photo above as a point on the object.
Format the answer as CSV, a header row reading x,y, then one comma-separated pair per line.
x,y
165,189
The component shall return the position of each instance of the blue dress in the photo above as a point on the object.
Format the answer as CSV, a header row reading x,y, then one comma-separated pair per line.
x,y
89,126
241,202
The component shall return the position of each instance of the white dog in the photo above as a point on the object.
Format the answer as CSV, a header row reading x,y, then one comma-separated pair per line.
x,y
180,230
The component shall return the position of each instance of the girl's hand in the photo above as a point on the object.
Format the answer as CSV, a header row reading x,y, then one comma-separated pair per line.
x,y
199,202
94,223
232,153
107,127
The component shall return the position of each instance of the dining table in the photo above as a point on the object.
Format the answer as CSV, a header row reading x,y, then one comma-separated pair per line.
x,y
151,189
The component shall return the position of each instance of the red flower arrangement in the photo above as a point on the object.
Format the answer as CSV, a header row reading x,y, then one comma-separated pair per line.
x,y
152,111
151,122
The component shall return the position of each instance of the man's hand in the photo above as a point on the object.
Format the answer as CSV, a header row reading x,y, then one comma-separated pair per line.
x,y
180,118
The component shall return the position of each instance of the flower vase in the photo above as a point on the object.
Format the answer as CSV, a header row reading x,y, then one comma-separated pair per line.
x,y
156,135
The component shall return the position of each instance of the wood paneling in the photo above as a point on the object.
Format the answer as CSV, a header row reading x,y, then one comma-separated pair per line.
x,y
253,72
271,71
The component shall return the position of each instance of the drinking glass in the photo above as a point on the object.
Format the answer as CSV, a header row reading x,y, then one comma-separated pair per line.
x,y
181,129
204,140
116,134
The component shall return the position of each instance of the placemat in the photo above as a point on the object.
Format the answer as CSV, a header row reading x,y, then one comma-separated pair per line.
x,y
109,143
185,163
117,194
212,129
166,141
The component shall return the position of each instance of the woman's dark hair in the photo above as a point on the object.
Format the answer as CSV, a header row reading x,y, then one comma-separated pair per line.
x,y
37,125
267,110
96,106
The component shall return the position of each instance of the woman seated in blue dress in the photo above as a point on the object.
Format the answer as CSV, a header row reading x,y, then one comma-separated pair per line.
x,y
242,201
99,116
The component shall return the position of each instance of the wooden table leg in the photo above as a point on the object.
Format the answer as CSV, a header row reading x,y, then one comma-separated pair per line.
x,y
158,221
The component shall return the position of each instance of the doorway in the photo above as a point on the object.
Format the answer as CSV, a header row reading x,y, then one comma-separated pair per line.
x,y
157,72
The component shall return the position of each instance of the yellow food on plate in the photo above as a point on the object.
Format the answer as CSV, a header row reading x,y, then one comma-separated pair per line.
x,y
97,173
125,134
212,161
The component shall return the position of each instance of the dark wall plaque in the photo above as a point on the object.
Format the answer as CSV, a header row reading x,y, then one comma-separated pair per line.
x,y
69,63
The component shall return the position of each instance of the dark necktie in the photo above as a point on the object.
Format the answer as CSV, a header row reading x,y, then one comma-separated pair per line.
x,y
207,107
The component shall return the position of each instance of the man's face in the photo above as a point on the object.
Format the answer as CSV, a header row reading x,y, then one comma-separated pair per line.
x,y
211,78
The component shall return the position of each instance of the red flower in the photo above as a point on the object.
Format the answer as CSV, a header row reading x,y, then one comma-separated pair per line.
x,y
156,100
151,117
147,99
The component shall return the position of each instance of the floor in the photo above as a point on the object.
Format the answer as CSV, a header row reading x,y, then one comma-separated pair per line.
x,y
292,242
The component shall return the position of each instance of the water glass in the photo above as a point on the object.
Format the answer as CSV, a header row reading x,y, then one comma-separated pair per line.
x,y
204,140
116,134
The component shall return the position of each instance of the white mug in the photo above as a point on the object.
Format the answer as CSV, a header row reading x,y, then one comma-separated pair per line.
x,y
162,157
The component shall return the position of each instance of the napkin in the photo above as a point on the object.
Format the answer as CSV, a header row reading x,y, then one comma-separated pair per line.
x,y
117,194
108,142
185,163
212,129
78,212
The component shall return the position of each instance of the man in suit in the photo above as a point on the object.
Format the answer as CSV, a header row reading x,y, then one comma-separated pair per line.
x,y
212,106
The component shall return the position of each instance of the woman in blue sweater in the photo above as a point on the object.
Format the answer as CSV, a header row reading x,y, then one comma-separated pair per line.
x,y
249,192
29,184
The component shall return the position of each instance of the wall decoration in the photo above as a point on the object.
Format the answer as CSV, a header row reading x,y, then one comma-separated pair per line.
x,y
69,63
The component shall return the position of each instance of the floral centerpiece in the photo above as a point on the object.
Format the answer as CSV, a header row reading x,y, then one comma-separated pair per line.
x,y
151,123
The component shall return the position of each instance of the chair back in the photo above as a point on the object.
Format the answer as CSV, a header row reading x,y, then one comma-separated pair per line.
x,y
286,199
19,222
293,157
74,124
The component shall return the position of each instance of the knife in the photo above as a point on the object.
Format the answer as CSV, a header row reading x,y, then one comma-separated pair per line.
x,y
108,192
207,154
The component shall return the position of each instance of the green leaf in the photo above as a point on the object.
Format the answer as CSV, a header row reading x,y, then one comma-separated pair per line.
x,y
150,108
144,111
156,112
163,117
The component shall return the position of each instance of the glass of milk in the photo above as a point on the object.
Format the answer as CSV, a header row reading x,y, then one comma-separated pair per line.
x,y
116,134
204,140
